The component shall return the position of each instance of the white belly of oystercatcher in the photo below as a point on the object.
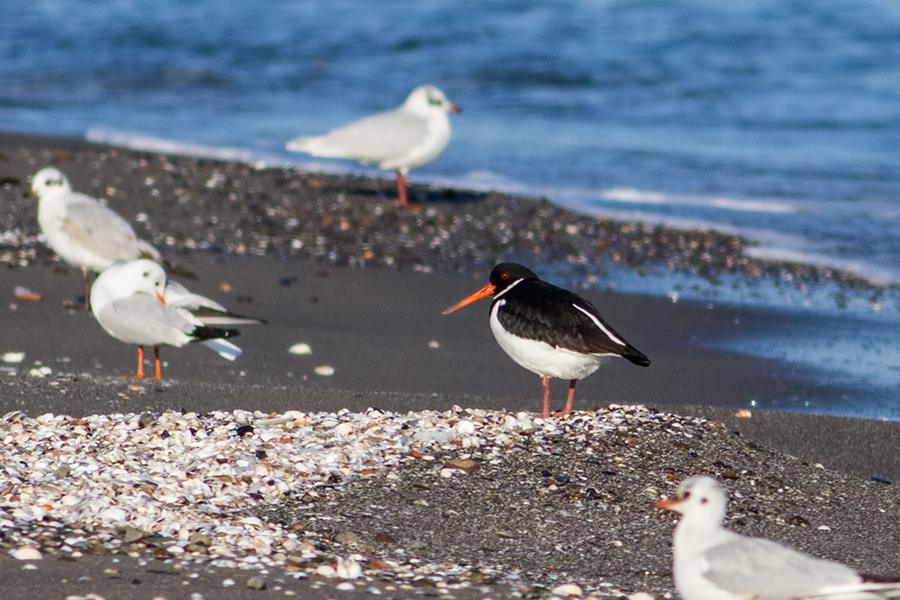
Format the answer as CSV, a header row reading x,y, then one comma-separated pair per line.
x,y
542,358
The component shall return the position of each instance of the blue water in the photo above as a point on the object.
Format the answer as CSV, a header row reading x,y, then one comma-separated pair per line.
x,y
775,119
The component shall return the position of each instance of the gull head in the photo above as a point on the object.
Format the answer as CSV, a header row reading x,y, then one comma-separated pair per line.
x,y
49,180
698,495
426,100
124,279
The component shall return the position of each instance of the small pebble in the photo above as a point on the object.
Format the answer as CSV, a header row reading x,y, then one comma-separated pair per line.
x,y
567,589
300,349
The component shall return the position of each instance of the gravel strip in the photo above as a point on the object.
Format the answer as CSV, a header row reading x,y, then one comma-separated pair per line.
x,y
427,501
186,204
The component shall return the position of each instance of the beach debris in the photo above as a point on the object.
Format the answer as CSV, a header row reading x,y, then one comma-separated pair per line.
x,y
434,345
40,372
324,370
226,288
262,491
567,589
23,293
300,349
26,553
743,414
12,357
467,465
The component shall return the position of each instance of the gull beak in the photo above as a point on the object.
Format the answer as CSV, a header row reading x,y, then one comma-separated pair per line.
x,y
667,503
160,297
453,108
487,290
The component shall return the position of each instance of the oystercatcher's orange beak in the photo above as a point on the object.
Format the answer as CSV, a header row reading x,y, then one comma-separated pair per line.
x,y
160,298
487,290
667,503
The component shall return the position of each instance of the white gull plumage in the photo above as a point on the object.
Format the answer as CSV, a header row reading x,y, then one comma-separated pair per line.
x,y
713,563
409,136
134,303
82,231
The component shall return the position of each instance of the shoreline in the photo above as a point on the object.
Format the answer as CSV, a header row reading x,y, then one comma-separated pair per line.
x,y
376,328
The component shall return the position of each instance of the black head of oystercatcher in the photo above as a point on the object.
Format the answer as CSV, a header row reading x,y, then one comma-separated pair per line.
x,y
548,330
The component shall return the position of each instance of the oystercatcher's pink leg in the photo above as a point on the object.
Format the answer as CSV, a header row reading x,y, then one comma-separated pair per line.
x,y
545,381
571,397
568,409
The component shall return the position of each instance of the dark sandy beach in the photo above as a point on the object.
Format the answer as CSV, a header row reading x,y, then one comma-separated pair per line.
x,y
364,285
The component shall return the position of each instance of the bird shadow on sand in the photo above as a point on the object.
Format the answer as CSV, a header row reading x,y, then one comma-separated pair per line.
x,y
417,194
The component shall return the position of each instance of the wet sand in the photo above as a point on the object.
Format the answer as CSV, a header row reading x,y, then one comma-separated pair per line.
x,y
376,327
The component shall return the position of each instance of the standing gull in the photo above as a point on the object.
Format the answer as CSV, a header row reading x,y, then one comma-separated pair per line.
x,y
409,136
548,330
83,232
131,301
713,563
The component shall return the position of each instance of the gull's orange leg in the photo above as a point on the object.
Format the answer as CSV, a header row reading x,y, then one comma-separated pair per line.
x,y
156,355
545,381
140,370
401,189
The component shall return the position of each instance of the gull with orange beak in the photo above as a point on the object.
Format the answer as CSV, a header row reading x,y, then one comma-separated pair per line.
x,y
713,563
548,330
134,303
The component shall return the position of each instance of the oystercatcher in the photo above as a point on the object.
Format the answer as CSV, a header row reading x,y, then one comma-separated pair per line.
x,y
409,136
548,330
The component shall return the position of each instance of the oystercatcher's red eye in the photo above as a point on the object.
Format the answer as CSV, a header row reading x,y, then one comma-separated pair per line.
x,y
504,276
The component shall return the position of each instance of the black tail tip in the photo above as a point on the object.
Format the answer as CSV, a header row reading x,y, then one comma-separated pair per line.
x,y
214,333
638,359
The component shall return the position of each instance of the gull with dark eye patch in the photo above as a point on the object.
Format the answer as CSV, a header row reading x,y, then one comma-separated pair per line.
x,y
548,330
83,232
135,303
713,563
409,136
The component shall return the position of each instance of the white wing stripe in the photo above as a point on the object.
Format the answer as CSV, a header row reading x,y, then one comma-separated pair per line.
x,y
602,327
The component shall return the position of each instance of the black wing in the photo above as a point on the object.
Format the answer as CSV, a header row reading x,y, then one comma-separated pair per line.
x,y
537,310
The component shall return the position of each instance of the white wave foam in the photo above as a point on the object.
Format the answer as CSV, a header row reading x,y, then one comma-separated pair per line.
x,y
137,141
622,194
670,222
871,272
